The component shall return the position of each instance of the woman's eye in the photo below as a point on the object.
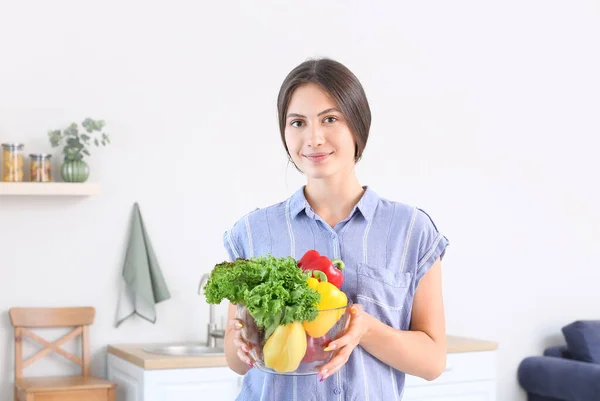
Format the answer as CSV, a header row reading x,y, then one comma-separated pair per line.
x,y
330,119
296,123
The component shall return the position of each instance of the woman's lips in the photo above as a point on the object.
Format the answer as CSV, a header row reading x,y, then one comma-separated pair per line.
x,y
317,157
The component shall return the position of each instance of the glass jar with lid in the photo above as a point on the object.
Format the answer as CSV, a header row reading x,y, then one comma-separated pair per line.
x,y
40,168
12,162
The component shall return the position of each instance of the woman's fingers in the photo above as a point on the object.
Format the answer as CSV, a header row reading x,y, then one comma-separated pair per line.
x,y
335,363
235,324
339,343
241,344
344,345
244,357
243,351
355,310
243,348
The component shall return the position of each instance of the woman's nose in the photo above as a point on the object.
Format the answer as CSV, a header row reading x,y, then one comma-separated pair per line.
x,y
316,136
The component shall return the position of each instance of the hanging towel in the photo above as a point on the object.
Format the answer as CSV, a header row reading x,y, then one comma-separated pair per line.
x,y
142,284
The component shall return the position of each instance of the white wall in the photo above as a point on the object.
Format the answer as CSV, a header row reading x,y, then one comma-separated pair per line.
x,y
485,115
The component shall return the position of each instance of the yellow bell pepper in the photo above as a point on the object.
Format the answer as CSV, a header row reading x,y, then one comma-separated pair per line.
x,y
285,348
331,298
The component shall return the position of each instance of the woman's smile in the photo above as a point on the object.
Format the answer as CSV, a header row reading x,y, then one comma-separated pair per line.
x,y
317,157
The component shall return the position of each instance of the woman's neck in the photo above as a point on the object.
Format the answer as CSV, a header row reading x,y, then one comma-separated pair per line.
x,y
333,198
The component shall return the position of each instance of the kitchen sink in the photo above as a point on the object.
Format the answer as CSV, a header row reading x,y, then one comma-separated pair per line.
x,y
185,350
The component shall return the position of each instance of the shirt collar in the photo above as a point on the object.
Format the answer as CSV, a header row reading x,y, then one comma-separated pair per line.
x,y
366,205
298,203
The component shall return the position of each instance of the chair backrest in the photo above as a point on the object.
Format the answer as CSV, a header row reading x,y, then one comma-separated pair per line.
x,y
23,319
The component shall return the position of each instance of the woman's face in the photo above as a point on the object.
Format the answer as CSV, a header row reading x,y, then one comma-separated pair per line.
x,y
317,135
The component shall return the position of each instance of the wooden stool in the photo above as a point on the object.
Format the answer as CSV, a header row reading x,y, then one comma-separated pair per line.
x,y
57,388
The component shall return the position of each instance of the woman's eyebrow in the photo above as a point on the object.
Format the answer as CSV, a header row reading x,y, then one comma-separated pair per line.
x,y
320,114
328,111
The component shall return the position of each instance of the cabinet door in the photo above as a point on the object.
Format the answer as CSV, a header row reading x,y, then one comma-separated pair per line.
x,y
214,384
473,391
128,377
461,367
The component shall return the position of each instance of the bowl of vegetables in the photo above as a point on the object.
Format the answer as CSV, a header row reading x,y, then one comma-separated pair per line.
x,y
289,349
289,311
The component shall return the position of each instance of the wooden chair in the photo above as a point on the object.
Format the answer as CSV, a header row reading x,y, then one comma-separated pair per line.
x,y
57,388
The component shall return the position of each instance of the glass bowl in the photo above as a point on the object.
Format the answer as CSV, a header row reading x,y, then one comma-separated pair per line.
x,y
329,325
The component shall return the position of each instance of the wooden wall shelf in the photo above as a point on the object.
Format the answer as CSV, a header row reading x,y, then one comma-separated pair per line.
x,y
49,188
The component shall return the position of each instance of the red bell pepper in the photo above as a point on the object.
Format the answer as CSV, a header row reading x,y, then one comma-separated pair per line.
x,y
313,261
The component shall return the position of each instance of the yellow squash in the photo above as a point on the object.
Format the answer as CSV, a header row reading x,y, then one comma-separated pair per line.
x,y
285,348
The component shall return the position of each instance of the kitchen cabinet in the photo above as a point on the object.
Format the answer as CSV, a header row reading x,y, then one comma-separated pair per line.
x,y
136,384
470,375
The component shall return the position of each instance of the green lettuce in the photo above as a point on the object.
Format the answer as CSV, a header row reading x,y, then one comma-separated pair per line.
x,y
274,290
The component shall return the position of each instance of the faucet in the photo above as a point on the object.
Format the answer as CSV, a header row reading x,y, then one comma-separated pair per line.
x,y
213,332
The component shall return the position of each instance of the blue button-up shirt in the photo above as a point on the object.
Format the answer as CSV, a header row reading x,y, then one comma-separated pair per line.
x,y
386,246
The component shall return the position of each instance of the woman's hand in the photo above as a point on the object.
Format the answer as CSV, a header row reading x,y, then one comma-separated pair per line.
x,y
243,348
245,339
359,325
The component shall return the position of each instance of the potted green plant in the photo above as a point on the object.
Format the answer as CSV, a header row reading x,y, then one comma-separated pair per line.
x,y
76,143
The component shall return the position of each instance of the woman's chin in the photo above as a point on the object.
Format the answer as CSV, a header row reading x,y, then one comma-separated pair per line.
x,y
318,173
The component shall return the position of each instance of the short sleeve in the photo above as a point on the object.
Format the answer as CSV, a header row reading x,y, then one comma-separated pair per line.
x,y
233,241
431,243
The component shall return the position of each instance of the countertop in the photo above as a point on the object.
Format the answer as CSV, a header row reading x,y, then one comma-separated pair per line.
x,y
135,354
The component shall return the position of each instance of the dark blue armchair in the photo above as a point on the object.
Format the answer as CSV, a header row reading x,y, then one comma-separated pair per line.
x,y
566,373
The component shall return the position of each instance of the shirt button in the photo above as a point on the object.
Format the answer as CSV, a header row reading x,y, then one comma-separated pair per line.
x,y
337,390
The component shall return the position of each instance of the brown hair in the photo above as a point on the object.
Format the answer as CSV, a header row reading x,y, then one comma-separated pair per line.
x,y
342,85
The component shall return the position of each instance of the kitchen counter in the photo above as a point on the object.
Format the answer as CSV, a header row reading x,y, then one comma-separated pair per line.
x,y
135,354
465,344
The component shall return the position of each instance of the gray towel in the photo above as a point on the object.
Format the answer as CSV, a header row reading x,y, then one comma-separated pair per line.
x,y
143,284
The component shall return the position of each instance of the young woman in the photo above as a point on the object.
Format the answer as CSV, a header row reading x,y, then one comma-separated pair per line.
x,y
392,251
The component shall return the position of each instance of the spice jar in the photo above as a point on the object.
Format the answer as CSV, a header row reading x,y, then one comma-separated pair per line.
x,y
13,163
40,167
